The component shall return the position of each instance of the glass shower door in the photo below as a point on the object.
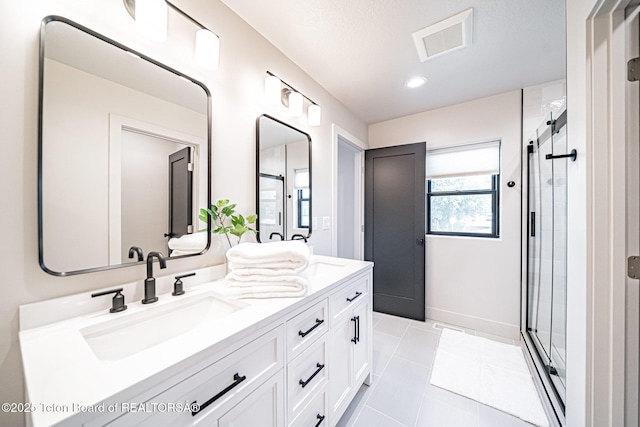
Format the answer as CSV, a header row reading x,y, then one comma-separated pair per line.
x,y
546,269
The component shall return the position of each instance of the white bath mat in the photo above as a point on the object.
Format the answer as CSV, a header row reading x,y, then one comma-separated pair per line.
x,y
489,372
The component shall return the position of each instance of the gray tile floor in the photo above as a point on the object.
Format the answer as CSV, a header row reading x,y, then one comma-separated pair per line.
x,y
401,395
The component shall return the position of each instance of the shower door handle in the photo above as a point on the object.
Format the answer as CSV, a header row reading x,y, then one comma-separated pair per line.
x,y
533,224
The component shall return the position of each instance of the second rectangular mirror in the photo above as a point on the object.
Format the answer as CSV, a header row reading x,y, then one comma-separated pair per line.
x,y
283,195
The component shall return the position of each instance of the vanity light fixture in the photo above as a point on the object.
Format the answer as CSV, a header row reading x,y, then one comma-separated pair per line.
x,y
296,103
151,22
272,86
290,98
151,19
314,115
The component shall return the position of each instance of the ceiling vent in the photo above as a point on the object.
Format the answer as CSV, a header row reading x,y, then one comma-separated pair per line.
x,y
444,36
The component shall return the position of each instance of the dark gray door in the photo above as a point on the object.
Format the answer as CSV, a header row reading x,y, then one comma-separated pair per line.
x,y
395,228
180,197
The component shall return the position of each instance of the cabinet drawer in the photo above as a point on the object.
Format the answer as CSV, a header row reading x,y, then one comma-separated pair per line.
x,y
306,327
352,293
315,413
216,388
305,376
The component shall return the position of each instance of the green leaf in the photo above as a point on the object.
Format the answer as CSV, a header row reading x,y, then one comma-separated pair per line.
x,y
251,219
222,202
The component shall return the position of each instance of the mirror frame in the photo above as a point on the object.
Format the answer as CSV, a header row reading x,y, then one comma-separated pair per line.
x,y
258,172
44,22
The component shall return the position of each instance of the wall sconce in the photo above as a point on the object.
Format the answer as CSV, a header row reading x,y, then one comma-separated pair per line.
x,y
151,22
290,98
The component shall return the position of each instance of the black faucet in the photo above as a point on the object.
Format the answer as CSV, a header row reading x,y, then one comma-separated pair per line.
x,y
275,233
136,250
299,237
150,281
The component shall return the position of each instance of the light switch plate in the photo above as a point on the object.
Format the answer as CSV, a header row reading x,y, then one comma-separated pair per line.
x,y
326,222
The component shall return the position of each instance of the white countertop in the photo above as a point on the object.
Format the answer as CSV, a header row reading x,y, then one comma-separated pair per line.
x,y
62,373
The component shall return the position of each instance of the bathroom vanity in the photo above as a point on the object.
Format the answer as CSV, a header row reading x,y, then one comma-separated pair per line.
x,y
202,357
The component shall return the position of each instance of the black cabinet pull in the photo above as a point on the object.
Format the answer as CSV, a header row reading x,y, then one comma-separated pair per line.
x,y
356,329
237,379
356,296
355,340
320,368
308,331
320,419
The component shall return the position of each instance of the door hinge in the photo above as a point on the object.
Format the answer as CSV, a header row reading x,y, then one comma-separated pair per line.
x,y
633,70
190,167
189,229
633,267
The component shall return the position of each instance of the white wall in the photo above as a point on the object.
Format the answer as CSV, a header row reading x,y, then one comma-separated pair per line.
x,y
472,282
236,89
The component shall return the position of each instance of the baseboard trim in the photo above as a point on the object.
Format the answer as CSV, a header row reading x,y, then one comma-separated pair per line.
x,y
477,323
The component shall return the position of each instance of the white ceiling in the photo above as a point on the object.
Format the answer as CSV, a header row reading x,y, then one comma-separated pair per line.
x,y
362,51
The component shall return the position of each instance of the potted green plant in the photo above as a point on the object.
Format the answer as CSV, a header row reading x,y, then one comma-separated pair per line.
x,y
225,220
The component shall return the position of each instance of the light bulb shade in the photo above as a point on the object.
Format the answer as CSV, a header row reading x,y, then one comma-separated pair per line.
x,y
295,104
207,50
151,19
314,115
272,86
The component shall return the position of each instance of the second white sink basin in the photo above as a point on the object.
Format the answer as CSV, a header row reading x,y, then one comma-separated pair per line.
x,y
320,268
132,333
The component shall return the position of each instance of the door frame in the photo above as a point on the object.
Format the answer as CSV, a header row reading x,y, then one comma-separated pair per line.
x,y
337,133
596,277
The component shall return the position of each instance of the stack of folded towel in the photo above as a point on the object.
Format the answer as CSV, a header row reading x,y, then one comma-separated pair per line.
x,y
188,244
268,270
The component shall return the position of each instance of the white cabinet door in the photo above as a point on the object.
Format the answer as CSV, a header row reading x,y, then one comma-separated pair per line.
x,y
264,407
361,348
340,365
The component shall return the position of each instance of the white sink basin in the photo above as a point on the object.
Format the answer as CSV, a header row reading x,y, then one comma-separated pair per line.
x,y
132,333
321,268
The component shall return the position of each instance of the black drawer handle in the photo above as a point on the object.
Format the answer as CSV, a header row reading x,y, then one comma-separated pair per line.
x,y
320,419
307,332
237,379
320,368
357,295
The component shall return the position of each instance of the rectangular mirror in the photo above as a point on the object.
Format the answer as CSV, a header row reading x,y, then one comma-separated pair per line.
x,y
123,154
283,181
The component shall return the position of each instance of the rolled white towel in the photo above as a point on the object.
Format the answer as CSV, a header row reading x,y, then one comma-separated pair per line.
x,y
189,242
286,255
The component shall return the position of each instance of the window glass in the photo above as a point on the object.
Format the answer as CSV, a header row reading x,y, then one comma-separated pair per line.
x,y
462,214
479,182
464,206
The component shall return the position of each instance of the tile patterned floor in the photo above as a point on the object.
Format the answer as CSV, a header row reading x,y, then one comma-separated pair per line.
x,y
401,395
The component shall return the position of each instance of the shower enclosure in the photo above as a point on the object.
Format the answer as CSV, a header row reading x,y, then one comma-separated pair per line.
x,y
546,276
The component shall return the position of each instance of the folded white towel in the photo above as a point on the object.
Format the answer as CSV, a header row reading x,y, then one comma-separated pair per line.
x,y
179,252
189,242
290,256
258,279
264,289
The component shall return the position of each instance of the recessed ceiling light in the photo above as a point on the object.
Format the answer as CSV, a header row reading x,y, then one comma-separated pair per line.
x,y
415,82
